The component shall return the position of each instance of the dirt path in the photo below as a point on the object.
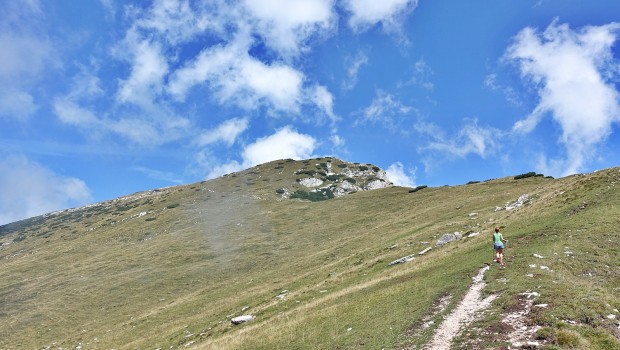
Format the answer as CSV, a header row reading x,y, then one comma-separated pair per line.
x,y
463,315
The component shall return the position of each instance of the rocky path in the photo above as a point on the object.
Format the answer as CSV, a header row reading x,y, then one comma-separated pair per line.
x,y
463,315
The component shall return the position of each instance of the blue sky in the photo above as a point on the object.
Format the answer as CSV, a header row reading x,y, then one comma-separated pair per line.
x,y
104,98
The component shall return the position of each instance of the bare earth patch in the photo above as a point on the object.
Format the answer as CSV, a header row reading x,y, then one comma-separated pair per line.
x,y
522,333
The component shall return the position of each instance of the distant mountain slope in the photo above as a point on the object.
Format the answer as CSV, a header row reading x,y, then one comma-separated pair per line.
x,y
314,179
170,268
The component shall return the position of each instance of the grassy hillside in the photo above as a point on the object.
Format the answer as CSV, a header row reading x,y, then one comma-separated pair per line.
x,y
169,268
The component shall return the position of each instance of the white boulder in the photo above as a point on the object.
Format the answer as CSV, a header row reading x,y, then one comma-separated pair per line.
x,y
241,319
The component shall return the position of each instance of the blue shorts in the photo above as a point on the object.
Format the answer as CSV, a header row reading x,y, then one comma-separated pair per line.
x,y
498,246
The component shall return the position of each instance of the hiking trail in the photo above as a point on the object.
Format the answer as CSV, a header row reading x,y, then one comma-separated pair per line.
x,y
462,315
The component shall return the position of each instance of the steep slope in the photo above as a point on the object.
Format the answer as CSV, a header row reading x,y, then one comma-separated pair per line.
x,y
171,267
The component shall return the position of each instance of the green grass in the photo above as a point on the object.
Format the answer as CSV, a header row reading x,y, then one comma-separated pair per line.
x,y
169,268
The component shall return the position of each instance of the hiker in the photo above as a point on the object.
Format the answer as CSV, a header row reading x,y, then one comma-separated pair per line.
x,y
498,245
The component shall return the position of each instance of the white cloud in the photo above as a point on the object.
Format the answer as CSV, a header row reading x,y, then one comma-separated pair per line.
x,y
109,7
152,123
286,24
151,130
353,70
226,132
366,13
24,56
323,99
175,20
159,175
397,174
279,84
218,170
70,113
386,110
421,75
86,85
211,64
26,50
17,104
337,141
239,78
510,94
571,70
228,69
140,131
470,139
149,67
285,143
29,189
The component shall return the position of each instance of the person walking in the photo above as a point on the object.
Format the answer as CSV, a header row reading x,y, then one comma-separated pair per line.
x,y
498,245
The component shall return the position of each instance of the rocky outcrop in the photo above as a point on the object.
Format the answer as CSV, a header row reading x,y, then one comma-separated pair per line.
x,y
311,182
521,201
345,187
329,178
379,183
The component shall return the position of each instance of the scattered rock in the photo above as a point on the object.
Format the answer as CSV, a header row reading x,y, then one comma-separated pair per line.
x,y
428,324
539,256
449,237
282,295
522,332
404,259
241,319
529,294
526,345
581,207
473,234
425,251
284,192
